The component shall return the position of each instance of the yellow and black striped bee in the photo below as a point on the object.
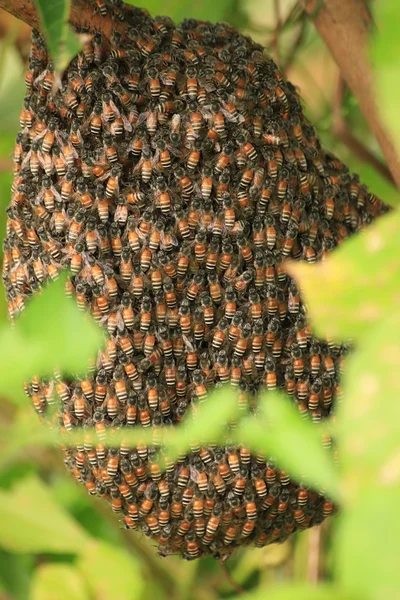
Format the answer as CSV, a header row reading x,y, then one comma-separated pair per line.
x,y
173,172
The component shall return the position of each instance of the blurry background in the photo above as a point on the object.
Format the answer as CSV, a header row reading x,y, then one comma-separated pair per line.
x,y
284,30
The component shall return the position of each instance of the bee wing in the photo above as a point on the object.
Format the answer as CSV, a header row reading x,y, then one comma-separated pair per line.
x,y
126,123
106,124
138,166
27,158
194,474
165,79
39,136
188,344
40,77
174,240
107,173
41,160
121,212
142,118
233,118
114,107
149,489
71,147
156,156
175,151
206,111
209,86
175,122
141,235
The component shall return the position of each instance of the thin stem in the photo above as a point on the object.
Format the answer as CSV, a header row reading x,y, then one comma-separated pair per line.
x,y
298,40
344,27
278,26
236,586
314,555
83,15
341,130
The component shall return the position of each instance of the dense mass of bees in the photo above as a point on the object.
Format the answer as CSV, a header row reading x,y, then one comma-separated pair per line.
x,y
172,172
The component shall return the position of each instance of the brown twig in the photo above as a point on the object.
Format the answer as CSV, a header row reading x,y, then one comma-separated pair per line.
x,y
314,555
19,33
341,130
291,55
6,164
82,15
236,586
140,547
344,27
278,26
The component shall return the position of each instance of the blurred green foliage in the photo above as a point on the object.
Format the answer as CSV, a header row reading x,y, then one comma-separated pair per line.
x,y
62,42
184,9
25,350
56,542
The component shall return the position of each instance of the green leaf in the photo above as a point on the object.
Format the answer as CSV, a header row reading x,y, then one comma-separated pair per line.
x,y
208,10
111,572
16,574
298,592
30,521
12,91
367,544
295,443
376,183
368,419
25,431
357,285
3,303
210,419
62,42
50,333
61,581
385,55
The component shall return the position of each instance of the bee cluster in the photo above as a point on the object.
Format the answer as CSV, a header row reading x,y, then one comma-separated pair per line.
x,y
172,171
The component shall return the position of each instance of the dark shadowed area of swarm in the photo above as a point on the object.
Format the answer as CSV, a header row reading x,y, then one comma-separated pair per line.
x,y
173,172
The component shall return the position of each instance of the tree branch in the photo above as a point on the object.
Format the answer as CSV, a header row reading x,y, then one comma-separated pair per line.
x,y
341,130
344,27
82,15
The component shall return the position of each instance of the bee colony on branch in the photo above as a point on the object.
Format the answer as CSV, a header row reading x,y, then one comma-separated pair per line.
x,y
172,171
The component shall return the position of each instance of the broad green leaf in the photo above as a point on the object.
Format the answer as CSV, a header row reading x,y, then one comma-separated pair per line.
x,y
207,425
210,420
111,572
21,358
16,574
385,54
358,285
3,304
84,508
368,419
208,10
260,559
295,443
25,431
376,183
62,42
30,521
50,333
298,592
367,544
12,91
58,580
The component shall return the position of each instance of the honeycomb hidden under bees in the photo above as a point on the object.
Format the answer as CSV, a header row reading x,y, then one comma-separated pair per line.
x,y
172,173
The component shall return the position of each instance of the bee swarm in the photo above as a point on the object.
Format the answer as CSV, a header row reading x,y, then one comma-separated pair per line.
x,y
172,173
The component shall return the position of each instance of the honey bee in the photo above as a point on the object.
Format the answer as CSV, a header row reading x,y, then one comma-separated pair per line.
x,y
172,172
